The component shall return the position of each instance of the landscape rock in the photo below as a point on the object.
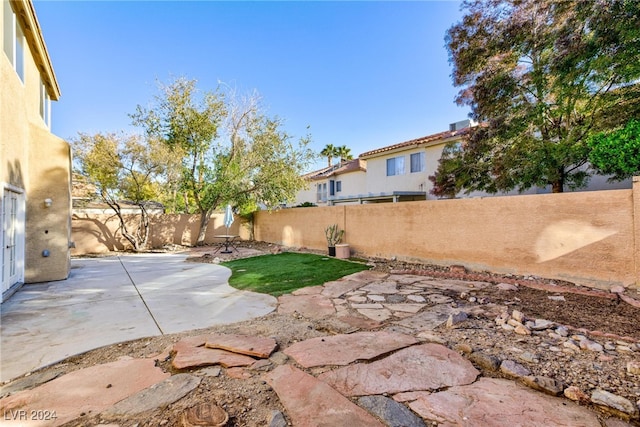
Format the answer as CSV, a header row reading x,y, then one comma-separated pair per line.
x,y
310,306
242,344
89,390
158,395
344,349
513,369
610,400
456,318
485,361
546,385
311,402
376,314
277,419
394,414
500,403
190,353
577,395
633,367
421,367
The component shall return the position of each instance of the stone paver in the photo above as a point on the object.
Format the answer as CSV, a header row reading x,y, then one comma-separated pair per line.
x,y
242,344
344,349
90,391
393,413
495,402
190,352
312,306
310,402
422,367
387,287
429,319
160,394
340,287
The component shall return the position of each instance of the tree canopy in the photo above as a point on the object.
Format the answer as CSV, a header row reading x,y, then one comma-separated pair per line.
x,y
617,153
124,169
231,151
542,76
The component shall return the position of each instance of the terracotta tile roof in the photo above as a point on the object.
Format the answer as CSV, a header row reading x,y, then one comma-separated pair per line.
x,y
338,169
418,141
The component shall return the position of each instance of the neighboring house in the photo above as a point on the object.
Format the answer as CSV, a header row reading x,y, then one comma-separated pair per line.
x,y
35,168
401,171
334,184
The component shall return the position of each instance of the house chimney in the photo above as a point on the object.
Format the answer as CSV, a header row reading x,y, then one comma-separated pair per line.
x,y
461,125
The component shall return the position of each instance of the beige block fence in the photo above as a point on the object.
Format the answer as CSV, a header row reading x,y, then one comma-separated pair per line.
x,y
590,238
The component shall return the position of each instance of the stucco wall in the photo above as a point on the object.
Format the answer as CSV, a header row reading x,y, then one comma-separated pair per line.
x,y
587,237
48,228
36,163
93,234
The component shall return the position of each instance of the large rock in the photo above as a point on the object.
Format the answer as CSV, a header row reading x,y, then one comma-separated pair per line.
x,y
310,402
159,394
422,367
344,349
310,306
89,391
190,353
500,403
393,413
242,344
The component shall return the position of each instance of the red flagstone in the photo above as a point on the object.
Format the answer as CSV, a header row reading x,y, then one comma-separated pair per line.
x,y
190,352
340,287
311,290
312,403
89,391
493,402
422,367
359,322
311,306
242,344
344,349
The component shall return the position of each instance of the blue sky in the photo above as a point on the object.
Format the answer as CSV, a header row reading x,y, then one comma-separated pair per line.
x,y
361,74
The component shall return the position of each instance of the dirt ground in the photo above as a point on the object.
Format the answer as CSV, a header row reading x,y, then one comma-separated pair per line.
x,y
251,402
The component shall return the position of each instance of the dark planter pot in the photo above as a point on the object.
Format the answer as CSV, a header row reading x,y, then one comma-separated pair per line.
x,y
332,251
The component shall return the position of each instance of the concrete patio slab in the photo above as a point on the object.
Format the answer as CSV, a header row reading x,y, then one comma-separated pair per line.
x,y
114,299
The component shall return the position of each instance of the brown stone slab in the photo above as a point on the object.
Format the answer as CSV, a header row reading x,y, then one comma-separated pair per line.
x,y
500,403
312,403
310,306
421,367
242,344
89,391
340,287
344,349
190,352
359,322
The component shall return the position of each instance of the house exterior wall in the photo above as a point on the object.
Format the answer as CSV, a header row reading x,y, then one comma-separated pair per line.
x,y
379,182
589,238
353,184
34,160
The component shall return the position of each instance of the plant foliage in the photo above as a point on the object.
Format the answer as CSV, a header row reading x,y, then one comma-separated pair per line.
x,y
542,76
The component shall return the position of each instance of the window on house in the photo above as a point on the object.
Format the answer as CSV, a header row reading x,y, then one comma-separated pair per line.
x,y
332,188
13,37
417,162
45,104
338,186
395,166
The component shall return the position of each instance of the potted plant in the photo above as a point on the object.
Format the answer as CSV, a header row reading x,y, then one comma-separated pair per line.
x,y
334,236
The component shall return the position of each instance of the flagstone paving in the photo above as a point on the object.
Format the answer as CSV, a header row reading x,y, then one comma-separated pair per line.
x,y
401,374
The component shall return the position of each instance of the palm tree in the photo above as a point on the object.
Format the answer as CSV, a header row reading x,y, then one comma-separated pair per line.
x,y
344,153
329,152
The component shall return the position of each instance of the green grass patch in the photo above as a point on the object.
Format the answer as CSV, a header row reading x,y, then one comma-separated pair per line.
x,y
285,272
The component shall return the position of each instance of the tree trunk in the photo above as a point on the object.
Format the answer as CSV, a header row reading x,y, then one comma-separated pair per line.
x,y
557,186
204,222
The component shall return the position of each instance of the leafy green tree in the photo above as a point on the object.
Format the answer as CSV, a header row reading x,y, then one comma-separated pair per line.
x,y
231,152
124,170
617,152
329,151
542,76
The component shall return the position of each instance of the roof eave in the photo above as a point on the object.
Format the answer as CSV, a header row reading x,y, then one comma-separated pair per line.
x,y
27,15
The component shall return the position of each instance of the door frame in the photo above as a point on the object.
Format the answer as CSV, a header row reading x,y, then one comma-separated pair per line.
x,y
11,282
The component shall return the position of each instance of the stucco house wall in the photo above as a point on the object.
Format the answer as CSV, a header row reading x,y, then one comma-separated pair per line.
x,y
35,164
